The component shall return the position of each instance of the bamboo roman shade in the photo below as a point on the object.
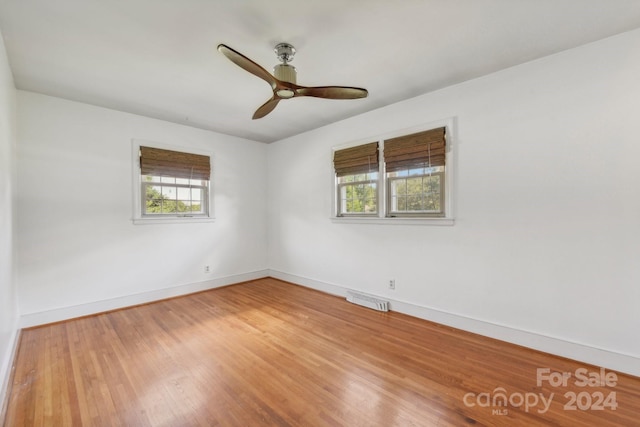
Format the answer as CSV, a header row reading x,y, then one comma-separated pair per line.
x,y
355,160
419,149
158,162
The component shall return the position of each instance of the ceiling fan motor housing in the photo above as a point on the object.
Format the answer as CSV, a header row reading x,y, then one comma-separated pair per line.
x,y
285,72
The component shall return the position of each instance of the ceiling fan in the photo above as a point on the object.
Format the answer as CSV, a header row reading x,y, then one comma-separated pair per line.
x,y
283,80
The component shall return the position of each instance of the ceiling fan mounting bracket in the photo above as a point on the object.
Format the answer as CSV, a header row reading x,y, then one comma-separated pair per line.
x,y
285,52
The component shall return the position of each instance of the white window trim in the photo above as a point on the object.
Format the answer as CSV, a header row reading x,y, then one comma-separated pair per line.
x,y
447,220
137,217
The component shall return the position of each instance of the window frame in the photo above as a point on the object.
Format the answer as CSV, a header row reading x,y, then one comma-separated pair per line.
x,y
383,215
139,199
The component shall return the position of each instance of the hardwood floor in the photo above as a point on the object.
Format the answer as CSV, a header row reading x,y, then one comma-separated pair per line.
x,y
272,353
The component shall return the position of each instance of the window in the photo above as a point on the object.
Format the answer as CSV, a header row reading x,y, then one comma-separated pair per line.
x,y
409,178
172,185
415,167
357,180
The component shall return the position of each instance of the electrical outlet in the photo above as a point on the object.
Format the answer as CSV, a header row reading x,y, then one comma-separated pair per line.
x,y
207,269
392,284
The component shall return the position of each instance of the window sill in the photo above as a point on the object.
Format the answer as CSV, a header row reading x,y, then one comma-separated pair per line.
x,y
182,220
394,221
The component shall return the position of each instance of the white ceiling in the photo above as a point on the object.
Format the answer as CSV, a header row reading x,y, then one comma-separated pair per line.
x,y
158,58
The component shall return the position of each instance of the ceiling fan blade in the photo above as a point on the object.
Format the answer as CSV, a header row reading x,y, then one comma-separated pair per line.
x,y
247,64
266,108
333,92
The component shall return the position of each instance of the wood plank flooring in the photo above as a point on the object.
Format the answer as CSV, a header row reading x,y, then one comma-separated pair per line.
x,y
268,353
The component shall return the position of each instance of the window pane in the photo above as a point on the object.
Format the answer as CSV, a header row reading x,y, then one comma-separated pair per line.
x,y
183,181
154,205
349,206
432,183
401,203
370,205
358,198
184,193
433,203
414,203
168,206
363,177
414,185
169,192
153,191
399,187
168,180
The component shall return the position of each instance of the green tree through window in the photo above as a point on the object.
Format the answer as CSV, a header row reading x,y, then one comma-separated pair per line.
x,y
358,193
158,203
168,195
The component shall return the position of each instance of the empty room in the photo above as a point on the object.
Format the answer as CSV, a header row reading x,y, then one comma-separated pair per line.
x,y
336,213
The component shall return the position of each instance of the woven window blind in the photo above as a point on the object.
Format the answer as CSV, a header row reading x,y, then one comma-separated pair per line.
x,y
355,160
419,149
158,162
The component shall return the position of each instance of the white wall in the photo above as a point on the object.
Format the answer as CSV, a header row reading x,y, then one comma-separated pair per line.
x,y
78,250
547,232
8,301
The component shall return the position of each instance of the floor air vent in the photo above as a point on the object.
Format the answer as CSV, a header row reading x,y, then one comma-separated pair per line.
x,y
368,301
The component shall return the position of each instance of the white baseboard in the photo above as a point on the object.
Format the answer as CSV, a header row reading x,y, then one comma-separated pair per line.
x,y
64,313
6,367
583,353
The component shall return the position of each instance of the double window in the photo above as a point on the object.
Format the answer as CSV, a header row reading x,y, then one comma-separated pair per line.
x,y
172,184
404,176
